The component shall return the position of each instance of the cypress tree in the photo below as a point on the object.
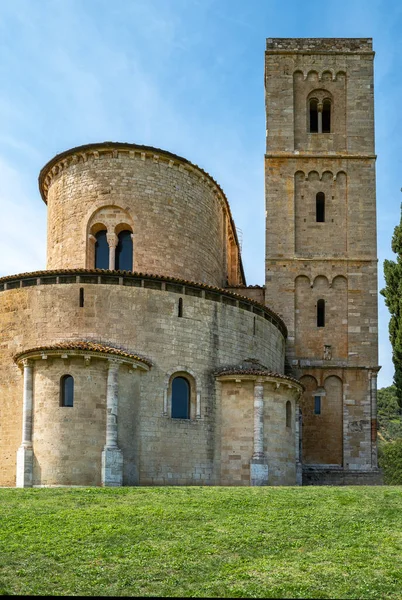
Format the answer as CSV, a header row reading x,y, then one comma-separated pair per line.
x,y
393,299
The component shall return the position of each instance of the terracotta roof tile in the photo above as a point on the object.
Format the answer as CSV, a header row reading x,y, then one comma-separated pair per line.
x,y
261,372
85,346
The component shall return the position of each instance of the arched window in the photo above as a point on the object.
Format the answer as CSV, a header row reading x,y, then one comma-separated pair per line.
x,y
67,391
320,207
180,398
313,105
124,252
326,116
319,115
321,313
288,414
101,250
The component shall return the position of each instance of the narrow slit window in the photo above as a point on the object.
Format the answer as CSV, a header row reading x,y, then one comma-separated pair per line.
x,y
81,297
317,405
313,106
67,391
326,116
254,326
180,308
288,414
320,207
101,250
180,398
124,252
321,313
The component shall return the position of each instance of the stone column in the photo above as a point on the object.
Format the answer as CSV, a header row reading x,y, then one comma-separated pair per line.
x,y
258,464
112,241
298,440
112,458
373,402
90,258
319,108
25,451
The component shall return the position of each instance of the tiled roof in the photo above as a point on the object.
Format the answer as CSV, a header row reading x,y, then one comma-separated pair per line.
x,y
258,371
84,346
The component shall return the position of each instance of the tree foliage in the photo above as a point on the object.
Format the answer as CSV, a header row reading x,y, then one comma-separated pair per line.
x,y
389,414
390,461
393,299
389,435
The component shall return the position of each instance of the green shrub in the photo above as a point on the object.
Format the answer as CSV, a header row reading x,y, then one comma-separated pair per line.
x,y
390,461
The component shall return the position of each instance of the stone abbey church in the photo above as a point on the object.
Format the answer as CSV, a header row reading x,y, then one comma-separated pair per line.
x,y
141,357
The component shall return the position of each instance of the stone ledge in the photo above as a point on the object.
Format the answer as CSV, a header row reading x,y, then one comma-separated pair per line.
x,y
320,45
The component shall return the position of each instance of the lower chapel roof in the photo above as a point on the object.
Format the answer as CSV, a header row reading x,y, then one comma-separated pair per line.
x,y
83,346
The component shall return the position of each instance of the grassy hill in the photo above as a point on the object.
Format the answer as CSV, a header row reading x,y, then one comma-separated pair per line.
x,y
220,542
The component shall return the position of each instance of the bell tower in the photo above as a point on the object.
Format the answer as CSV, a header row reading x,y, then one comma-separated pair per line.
x,y
321,257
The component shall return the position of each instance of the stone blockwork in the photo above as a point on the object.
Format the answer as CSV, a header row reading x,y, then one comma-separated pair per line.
x,y
178,215
156,448
321,259
240,428
335,476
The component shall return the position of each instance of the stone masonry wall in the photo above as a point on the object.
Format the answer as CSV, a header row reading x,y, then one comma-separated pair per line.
x,y
236,418
68,441
179,218
334,260
144,321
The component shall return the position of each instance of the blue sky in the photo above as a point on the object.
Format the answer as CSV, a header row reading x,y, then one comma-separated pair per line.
x,y
183,75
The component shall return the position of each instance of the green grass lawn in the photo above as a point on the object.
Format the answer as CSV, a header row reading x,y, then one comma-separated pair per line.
x,y
321,542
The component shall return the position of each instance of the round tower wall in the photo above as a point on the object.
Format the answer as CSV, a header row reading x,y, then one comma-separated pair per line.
x,y
179,219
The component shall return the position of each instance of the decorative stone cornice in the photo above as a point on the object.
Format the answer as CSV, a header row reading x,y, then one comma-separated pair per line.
x,y
324,155
103,276
319,46
258,375
69,349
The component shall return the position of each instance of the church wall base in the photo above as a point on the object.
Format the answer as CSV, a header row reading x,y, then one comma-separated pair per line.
x,y
112,467
258,472
316,475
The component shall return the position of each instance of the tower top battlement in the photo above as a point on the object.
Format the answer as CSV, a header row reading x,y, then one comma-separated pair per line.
x,y
320,45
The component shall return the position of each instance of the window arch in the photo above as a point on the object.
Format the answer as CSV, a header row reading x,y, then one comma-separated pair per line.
x,y
180,398
67,391
321,313
320,207
326,116
288,414
124,251
101,250
313,121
